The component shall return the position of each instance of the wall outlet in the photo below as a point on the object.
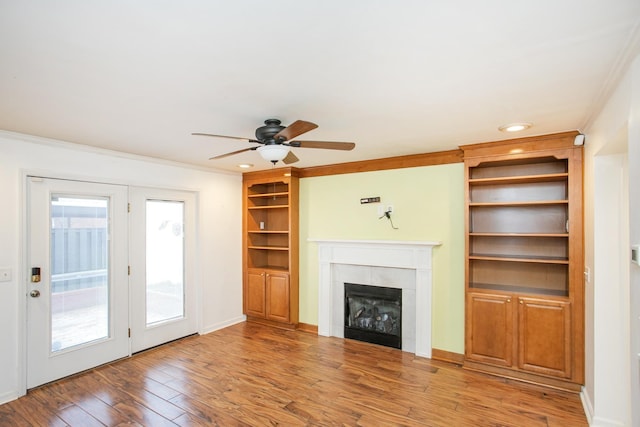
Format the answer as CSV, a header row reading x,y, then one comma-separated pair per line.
x,y
5,274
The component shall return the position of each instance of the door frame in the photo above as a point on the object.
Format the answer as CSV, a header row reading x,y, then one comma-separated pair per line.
x,y
23,276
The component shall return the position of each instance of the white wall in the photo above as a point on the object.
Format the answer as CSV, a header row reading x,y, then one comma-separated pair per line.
x,y
219,253
634,238
612,165
611,290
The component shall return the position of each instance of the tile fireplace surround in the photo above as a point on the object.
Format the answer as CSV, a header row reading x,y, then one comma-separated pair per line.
x,y
389,263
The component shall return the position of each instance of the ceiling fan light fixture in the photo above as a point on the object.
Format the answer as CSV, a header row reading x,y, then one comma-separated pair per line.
x,y
515,127
273,153
276,141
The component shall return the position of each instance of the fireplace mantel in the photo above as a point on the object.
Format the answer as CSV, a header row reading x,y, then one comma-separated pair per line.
x,y
411,255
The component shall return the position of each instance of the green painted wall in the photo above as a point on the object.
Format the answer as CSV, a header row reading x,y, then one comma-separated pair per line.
x,y
428,205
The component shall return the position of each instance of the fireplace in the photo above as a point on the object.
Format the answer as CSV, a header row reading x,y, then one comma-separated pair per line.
x,y
373,314
404,265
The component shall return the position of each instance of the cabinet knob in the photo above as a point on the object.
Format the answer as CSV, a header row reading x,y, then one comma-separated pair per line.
x,y
521,302
508,299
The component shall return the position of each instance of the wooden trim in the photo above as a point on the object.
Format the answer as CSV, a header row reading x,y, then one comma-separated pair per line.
x,y
400,162
527,145
526,377
576,270
307,327
294,248
267,174
275,324
447,356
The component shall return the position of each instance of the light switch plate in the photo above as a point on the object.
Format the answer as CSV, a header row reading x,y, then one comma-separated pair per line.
x,y
5,274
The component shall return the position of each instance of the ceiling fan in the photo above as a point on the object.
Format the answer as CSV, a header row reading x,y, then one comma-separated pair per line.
x,y
276,141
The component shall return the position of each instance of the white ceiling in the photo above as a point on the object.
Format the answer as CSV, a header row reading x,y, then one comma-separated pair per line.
x,y
396,77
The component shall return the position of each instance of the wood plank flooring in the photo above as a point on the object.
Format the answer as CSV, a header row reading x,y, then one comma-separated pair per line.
x,y
255,375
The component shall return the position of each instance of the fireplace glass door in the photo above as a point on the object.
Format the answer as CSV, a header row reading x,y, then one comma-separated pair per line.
x,y
373,314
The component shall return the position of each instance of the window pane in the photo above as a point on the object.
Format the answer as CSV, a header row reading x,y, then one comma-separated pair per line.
x,y
79,270
165,261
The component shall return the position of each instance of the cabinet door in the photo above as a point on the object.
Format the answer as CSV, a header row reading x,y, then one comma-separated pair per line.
x,y
278,297
489,329
255,296
544,343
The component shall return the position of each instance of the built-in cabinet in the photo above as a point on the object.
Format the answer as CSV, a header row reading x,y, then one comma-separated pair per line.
x,y
270,249
524,259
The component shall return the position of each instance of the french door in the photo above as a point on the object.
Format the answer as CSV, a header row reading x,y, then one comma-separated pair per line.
x,y
105,282
162,281
77,294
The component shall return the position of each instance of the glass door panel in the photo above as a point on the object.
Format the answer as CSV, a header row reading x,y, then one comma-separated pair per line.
x,y
164,261
79,270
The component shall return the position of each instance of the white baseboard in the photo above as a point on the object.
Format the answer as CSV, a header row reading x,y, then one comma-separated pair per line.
x,y
586,405
9,396
592,419
222,325
602,422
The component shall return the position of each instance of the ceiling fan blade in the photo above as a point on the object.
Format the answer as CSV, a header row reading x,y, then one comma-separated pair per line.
x,y
328,145
294,129
221,156
225,136
290,158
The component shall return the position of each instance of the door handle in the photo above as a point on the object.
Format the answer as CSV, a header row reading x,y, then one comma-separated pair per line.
x,y
34,293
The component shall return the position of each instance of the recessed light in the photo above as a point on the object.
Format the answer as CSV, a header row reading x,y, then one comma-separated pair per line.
x,y
245,165
514,127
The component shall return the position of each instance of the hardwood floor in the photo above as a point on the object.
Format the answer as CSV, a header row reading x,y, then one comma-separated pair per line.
x,y
249,374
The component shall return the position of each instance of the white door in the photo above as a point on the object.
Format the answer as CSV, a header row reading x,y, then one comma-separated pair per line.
x,y
163,297
77,313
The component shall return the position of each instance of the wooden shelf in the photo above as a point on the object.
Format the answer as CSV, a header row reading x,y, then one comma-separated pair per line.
x,y
512,258
268,267
268,231
472,234
528,179
267,207
269,248
524,203
524,290
268,195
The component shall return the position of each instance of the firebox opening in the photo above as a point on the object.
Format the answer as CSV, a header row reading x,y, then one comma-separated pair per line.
x,y
373,314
